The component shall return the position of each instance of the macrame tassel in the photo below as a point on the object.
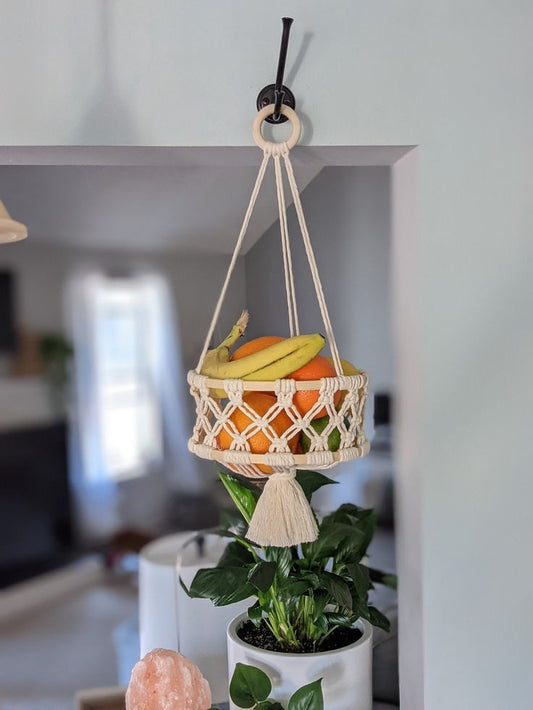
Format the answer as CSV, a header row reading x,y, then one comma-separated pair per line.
x,y
283,516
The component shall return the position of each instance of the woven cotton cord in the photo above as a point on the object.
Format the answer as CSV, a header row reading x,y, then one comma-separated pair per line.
x,y
282,517
312,264
246,221
277,150
292,308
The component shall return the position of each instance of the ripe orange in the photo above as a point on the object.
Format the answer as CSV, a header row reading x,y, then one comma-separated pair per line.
x,y
259,443
253,346
317,368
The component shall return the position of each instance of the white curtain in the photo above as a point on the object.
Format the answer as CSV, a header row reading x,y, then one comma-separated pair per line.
x,y
94,489
157,439
170,380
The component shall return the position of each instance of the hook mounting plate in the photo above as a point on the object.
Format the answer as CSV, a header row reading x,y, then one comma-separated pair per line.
x,y
268,96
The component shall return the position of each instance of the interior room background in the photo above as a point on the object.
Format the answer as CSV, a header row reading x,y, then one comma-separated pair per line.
x,y
348,211
452,80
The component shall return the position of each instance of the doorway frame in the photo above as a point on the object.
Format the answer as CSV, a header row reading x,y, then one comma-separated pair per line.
x,y
407,334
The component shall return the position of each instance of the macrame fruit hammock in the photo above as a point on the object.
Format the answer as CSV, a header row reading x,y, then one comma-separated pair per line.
x,y
225,392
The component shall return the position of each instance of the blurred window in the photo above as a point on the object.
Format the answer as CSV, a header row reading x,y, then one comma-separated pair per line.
x,y
126,395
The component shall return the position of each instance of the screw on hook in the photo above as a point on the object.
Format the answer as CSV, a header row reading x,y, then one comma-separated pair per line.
x,y
277,93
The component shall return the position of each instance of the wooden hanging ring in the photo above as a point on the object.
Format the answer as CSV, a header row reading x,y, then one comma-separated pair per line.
x,y
268,111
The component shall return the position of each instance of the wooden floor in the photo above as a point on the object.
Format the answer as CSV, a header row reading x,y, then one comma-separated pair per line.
x,y
50,653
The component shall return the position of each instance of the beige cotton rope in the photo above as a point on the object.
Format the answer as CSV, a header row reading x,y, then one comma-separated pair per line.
x,y
292,308
274,523
276,150
283,516
236,251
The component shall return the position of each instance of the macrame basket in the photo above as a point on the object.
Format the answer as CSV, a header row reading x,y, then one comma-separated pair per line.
x,y
283,516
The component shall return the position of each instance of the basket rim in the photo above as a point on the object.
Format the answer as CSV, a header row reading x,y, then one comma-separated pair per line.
x,y
345,382
268,459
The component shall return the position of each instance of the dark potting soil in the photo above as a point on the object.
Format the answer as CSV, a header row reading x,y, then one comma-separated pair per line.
x,y
262,637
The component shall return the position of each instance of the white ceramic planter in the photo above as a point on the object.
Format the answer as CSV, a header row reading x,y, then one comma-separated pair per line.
x,y
346,673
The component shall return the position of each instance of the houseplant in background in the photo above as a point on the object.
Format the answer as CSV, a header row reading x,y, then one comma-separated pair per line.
x,y
311,617
57,353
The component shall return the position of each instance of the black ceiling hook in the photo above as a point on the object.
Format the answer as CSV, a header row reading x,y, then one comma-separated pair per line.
x,y
278,94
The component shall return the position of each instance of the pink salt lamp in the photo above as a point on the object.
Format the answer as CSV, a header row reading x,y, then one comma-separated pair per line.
x,y
166,680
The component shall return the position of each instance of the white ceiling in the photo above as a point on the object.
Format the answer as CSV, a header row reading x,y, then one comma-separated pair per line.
x,y
142,207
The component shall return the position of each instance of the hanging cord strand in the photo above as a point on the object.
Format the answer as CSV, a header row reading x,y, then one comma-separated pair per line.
x,y
312,264
281,201
236,251
292,309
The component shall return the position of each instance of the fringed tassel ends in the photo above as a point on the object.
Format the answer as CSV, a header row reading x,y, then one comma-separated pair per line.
x,y
283,516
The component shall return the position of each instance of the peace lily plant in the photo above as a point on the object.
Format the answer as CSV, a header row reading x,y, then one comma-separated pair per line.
x,y
305,596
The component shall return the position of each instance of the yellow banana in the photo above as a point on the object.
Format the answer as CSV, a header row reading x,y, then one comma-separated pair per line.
x,y
348,368
272,363
218,356
298,352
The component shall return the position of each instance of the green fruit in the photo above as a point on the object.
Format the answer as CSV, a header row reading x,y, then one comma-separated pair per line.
x,y
334,439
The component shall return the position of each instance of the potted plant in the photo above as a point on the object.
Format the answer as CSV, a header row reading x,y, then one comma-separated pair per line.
x,y
311,617
56,353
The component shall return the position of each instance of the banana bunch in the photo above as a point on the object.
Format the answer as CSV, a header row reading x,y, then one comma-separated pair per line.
x,y
271,363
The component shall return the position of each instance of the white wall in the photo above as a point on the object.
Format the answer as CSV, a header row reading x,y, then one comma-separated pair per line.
x,y
348,216
451,77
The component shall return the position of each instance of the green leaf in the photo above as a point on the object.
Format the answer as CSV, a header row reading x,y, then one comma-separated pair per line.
x,y
309,697
320,601
311,481
223,585
294,587
340,620
249,686
361,579
349,514
255,613
262,575
385,578
268,705
185,588
241,480
282,556
338,589
363,520
222,532
321,624
244,498
346,513
231,519
311,577
236,555
376,618
338,540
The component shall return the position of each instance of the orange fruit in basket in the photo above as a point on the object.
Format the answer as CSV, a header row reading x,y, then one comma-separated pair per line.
x,y
259,442
317,368
255,345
